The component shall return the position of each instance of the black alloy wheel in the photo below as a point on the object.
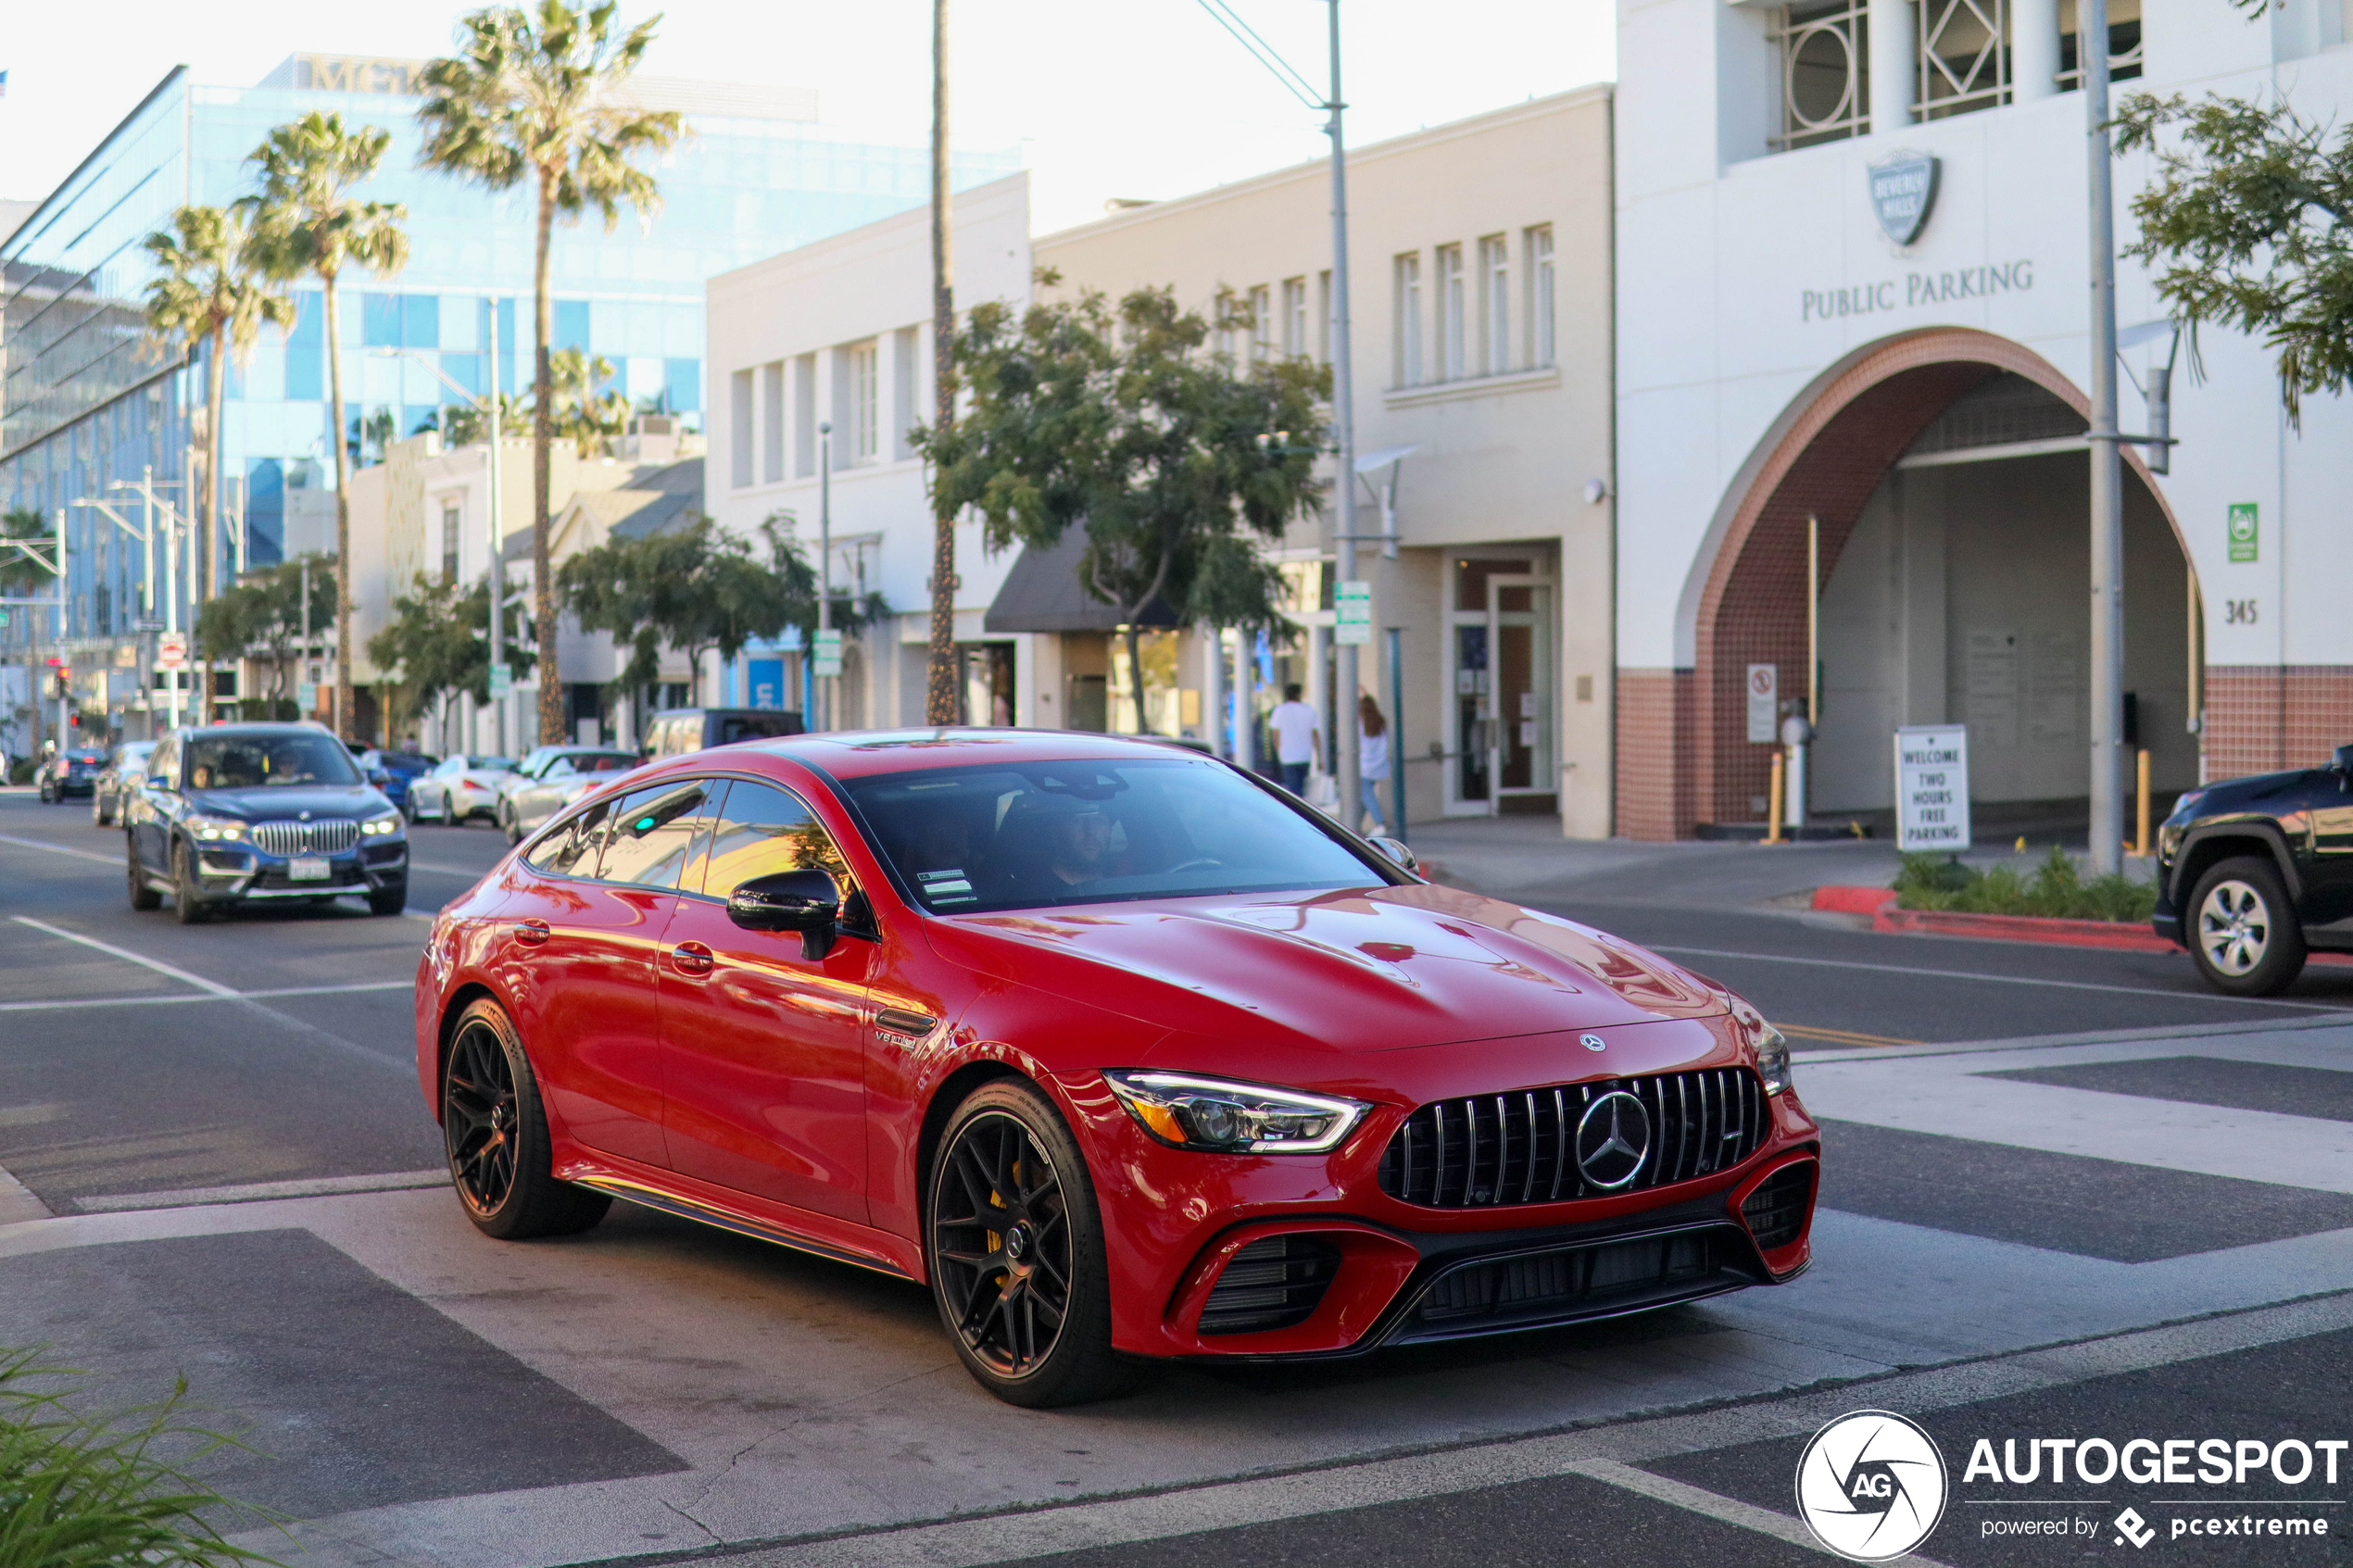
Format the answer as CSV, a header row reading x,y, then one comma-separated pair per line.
x,y
187,905
1017,1252
496,1136
2243,930
143,897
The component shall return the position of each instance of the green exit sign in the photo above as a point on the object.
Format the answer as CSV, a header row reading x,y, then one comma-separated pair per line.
x,y
2242,531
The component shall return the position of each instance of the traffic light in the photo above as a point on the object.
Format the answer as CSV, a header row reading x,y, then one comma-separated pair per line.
x,y
65,680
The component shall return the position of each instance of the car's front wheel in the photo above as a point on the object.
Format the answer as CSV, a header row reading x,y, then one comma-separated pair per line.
x,y
187,905
1017,1262
448,812
496,1136
100,816
2244,933
143,893
388,901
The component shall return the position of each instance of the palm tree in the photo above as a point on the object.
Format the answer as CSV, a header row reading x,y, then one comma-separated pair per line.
x,y
307,223
588,419
208,291
537,93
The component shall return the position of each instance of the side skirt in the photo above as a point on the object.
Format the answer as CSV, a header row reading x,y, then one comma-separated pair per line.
x,y
704,1212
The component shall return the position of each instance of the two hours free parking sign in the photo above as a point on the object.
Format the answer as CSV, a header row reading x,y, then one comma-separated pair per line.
x,y
1931,787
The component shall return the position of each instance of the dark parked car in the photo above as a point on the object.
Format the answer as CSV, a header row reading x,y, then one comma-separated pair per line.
x,y
237,813
124,768
676,731
72,771
2253,874
398,768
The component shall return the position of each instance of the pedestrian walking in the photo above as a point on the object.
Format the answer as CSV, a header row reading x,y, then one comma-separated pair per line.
x,y
1298,739
1372,756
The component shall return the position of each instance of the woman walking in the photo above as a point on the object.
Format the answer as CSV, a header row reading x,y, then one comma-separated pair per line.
x,y
1372,756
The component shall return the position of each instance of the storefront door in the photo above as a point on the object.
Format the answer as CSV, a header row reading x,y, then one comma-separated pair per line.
x,y
1500,741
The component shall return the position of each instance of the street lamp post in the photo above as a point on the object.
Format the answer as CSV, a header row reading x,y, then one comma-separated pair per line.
x,y
2107,471
825,562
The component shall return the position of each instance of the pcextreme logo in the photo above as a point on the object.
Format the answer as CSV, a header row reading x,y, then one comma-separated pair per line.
x,y
1871,1486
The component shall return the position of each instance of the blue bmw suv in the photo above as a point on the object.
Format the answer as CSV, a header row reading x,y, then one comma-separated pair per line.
x,y
246,813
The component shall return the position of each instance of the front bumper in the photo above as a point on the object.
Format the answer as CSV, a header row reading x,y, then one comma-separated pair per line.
x,y
240,873
2166,920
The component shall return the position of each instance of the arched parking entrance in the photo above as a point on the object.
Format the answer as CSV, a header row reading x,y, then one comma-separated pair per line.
x,y
1849,452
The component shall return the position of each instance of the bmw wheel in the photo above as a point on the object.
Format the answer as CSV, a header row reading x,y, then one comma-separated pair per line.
x,y
142,895
496,1136
2244,934
187,905
1017,1262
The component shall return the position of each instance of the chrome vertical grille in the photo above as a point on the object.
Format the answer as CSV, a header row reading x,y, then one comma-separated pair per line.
x,y
305,838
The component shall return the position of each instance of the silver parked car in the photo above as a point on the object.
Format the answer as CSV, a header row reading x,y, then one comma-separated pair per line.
x,y
552,778
459,789
126,769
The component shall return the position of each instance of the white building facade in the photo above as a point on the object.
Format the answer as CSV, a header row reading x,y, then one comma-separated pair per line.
x,y
1795,374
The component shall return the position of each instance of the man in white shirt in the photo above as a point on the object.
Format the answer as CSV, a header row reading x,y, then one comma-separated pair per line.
x,y
1297,740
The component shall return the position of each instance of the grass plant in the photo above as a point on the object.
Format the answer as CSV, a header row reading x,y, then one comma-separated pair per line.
x,y
2056,889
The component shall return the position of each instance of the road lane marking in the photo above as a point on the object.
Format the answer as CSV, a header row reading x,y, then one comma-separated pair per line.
x,y
229,996
256,1192
114,861
160,967
1712,1505
1991,979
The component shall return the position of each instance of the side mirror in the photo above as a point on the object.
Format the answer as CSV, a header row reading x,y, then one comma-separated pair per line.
x,y
2343,760
806,901
1394,849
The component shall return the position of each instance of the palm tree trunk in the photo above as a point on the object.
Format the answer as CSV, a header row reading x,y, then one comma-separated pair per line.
x,y
342,715
543,436
939,701
210,531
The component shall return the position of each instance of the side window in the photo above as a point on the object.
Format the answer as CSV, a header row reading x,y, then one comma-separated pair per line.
x,y
651,833
570,851
164,767
762,830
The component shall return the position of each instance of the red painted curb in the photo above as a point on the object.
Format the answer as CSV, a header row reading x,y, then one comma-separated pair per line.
x,y
1855,900
2116,936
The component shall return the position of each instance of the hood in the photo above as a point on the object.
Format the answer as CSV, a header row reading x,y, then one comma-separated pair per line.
x,y
282,802
1356,971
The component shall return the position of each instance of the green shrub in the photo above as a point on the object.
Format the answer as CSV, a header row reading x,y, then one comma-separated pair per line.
x,y
2057,890
106,1491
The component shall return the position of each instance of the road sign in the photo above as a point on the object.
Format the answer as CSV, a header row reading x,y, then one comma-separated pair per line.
x,y
828,654
306,695
2243,530
1764,703
502,681
1931,787
1353,612
171,651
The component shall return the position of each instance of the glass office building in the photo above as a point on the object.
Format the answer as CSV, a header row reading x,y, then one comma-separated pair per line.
x,y
88,399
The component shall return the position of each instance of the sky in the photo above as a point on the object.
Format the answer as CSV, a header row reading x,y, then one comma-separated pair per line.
x,y
1105,99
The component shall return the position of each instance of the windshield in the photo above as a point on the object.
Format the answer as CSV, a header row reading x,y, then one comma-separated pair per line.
x,y
966,839
491,764
260,761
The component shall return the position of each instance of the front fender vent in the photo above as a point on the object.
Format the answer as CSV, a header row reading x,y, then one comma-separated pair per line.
x,y
1273,1283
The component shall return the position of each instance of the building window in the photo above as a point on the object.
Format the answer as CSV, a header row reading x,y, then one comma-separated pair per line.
x,y
1295,316
2123,43
1495,303
1825,85
772,421
1963,62
1541,338
739,428
866,402
1262,325
1323,316
1452,318
449,542
1408,332
804,414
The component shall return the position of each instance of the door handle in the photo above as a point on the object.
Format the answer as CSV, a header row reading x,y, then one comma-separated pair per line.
x,y
690,958
531,933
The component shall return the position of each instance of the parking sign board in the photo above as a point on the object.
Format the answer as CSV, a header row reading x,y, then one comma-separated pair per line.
x,y
171,650
1763,704
1931,787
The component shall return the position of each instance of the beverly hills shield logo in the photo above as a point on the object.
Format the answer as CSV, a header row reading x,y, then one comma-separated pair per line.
x,y
1902,191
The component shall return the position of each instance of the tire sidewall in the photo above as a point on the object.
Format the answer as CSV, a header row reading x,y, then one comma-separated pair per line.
x,y
2283,949
530,1129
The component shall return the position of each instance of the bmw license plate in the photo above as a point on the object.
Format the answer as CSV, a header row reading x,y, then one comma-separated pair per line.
x,y
307,868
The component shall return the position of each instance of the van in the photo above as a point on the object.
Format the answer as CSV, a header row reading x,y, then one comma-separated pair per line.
x,y
676,731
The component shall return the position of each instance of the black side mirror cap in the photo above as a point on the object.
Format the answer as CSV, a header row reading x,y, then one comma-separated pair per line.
x,y
805,900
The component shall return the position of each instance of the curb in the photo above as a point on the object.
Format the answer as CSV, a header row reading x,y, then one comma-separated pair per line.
x,y
2115,935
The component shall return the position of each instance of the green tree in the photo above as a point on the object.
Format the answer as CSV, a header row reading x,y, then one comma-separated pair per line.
x,y
583,414
536,94
307,224
1175,461
463,424
2248,223
260,619
439,641
208,289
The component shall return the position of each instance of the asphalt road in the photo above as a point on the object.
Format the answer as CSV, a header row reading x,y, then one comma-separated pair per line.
x,y
227,1171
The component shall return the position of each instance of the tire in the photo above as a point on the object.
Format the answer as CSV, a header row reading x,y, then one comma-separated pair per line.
x,y
186,906
449,818
143,897
495,1134
100,816
990,1285
391,901
2243,931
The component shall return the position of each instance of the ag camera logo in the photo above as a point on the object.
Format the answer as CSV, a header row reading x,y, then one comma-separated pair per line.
x,y
1871,1486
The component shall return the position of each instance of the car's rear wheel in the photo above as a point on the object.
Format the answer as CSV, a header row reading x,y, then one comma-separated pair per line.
x,y
496,1136
2244,933
187,905
449,812
142,895
1018,1262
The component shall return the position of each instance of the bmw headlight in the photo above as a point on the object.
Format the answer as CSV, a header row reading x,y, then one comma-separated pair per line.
x,y
214,829
1219,1115
1772,1058
386,826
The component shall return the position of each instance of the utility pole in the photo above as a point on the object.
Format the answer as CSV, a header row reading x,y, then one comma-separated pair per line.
x,y
1344,434
939,683
825,566
2108,474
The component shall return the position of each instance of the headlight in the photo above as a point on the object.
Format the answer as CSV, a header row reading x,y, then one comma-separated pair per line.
x,y
385,826
213,829
1215,1114
1772,1060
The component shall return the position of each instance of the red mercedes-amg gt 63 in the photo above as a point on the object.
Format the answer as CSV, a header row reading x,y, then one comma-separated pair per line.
x,y
1121,1051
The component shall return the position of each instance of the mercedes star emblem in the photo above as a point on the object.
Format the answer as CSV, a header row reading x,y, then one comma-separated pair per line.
x,y
1593,1042
1613,1140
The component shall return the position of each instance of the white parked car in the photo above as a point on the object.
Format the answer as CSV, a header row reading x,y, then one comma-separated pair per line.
x,y
461,788
551,779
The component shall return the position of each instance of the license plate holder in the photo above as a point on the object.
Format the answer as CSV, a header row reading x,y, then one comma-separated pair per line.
x,y
309,868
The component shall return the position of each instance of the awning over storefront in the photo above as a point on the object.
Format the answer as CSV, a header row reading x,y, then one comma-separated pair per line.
x,y
1043,593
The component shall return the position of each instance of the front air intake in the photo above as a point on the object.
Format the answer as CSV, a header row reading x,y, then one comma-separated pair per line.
x,y
1775,1211
1275,1283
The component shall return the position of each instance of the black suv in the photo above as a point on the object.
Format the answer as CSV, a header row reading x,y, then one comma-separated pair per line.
x,y
2255,873
239,813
